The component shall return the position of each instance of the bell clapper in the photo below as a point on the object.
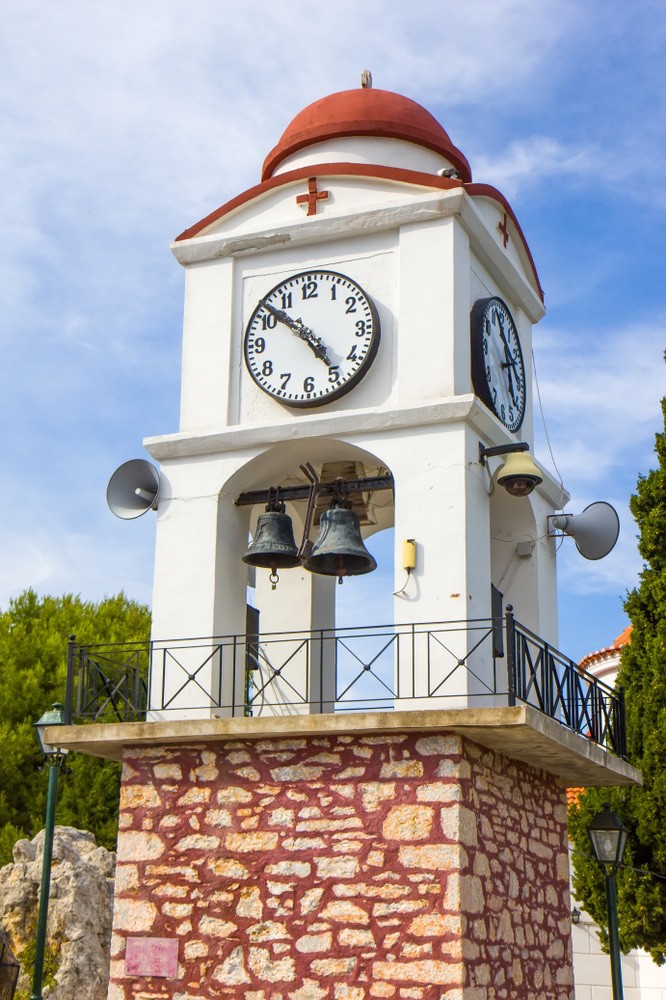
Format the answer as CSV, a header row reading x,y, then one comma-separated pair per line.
x,y
274,579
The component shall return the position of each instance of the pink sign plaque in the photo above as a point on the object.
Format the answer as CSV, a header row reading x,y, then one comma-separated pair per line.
x,y
145,956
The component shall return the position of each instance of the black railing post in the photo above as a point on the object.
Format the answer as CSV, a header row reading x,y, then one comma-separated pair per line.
x,y
69,691
547,680
621,726
511,654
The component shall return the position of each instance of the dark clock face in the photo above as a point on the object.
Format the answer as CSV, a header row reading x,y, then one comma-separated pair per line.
x,y
311,338
498,370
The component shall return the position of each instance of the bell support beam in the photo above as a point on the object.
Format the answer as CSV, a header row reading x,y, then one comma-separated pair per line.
x,y
303,492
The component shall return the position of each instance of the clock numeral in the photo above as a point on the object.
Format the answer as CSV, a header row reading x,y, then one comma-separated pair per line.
x,y
268,321
309,384
350,302
259,345
333,373
334,293
267,368
360,327
285,298
352,354
285,376
309,290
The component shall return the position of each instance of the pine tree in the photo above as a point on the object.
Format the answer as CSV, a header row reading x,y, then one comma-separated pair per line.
x,y
34,632
642,675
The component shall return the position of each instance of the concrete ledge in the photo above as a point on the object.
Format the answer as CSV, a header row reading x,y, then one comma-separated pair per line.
x,y
522,733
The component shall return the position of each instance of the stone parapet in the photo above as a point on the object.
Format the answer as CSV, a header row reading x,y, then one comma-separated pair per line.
x,y
343,867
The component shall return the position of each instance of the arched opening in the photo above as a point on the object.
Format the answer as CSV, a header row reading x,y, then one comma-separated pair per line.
x,y
298,660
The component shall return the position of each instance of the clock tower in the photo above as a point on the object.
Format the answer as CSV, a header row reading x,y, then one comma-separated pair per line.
x,y
356,357
364,312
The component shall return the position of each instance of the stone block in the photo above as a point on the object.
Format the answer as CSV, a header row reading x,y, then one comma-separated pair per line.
x,y
439,857
345,913
429,971
408,822
343,867
232,971
314,942
137,796
248,842
402,769
228,868
134,915
216,928
333,966
264,966
375,793
139,845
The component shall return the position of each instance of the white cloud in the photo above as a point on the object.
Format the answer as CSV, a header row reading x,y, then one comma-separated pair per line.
x,y
530,161
601,392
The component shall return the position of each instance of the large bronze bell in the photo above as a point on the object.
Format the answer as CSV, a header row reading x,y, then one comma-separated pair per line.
x,y
339,549
273,546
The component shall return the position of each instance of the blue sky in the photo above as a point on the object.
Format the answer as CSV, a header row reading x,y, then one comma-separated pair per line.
x,y
125,122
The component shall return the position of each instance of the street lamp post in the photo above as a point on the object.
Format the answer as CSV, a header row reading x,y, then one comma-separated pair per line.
x,y
55,757
609,837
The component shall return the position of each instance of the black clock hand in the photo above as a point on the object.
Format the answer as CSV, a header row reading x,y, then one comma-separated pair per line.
x,y
298,327
510,362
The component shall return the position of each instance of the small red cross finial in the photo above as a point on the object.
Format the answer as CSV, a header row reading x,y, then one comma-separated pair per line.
x,y
312,197
502,226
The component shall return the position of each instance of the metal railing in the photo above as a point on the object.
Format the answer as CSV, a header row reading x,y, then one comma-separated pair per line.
x,y
447,664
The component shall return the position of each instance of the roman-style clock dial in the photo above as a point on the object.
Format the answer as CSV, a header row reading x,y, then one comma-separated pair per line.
x,y
311,338
498,370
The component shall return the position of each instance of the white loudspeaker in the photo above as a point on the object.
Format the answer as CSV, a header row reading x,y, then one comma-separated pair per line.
x,y
133,489
595,531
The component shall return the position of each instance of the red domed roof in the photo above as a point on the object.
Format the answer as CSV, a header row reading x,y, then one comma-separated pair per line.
x,y
365,112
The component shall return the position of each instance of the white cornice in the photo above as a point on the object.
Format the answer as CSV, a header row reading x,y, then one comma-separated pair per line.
x,y
349,424
417,208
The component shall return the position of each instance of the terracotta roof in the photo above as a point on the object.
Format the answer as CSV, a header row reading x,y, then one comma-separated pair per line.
x,y
573,794
605,654
368,112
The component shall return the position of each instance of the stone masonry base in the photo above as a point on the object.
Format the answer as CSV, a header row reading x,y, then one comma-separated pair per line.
x,y
342,868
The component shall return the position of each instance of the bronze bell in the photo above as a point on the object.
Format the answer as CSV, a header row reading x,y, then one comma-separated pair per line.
x,y
273,546
339,549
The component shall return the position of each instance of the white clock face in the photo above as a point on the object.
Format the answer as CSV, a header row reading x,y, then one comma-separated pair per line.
x,y
498,370
311,338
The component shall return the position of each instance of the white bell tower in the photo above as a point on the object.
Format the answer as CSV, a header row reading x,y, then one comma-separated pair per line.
x,y
364,312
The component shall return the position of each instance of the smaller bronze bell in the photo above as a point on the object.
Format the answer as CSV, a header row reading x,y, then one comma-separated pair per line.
x,y
339,549
273,546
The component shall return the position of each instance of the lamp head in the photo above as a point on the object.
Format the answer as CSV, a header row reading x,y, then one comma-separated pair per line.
x,y
609,837
519,475
55,716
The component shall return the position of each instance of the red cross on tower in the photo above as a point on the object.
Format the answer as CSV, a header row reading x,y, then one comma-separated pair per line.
x,y
312,197
502,226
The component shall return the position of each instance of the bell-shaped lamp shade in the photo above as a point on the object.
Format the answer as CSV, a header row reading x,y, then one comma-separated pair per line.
x,y
55,716
519,475
609,837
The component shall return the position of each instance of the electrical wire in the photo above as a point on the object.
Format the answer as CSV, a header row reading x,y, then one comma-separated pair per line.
x,y
629,868
399,593
543,421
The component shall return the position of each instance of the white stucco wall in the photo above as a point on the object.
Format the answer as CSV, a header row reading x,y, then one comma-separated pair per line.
x,y
424,256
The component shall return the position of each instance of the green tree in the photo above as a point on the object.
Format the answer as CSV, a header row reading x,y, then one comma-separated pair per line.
x,y
34,632
642,675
